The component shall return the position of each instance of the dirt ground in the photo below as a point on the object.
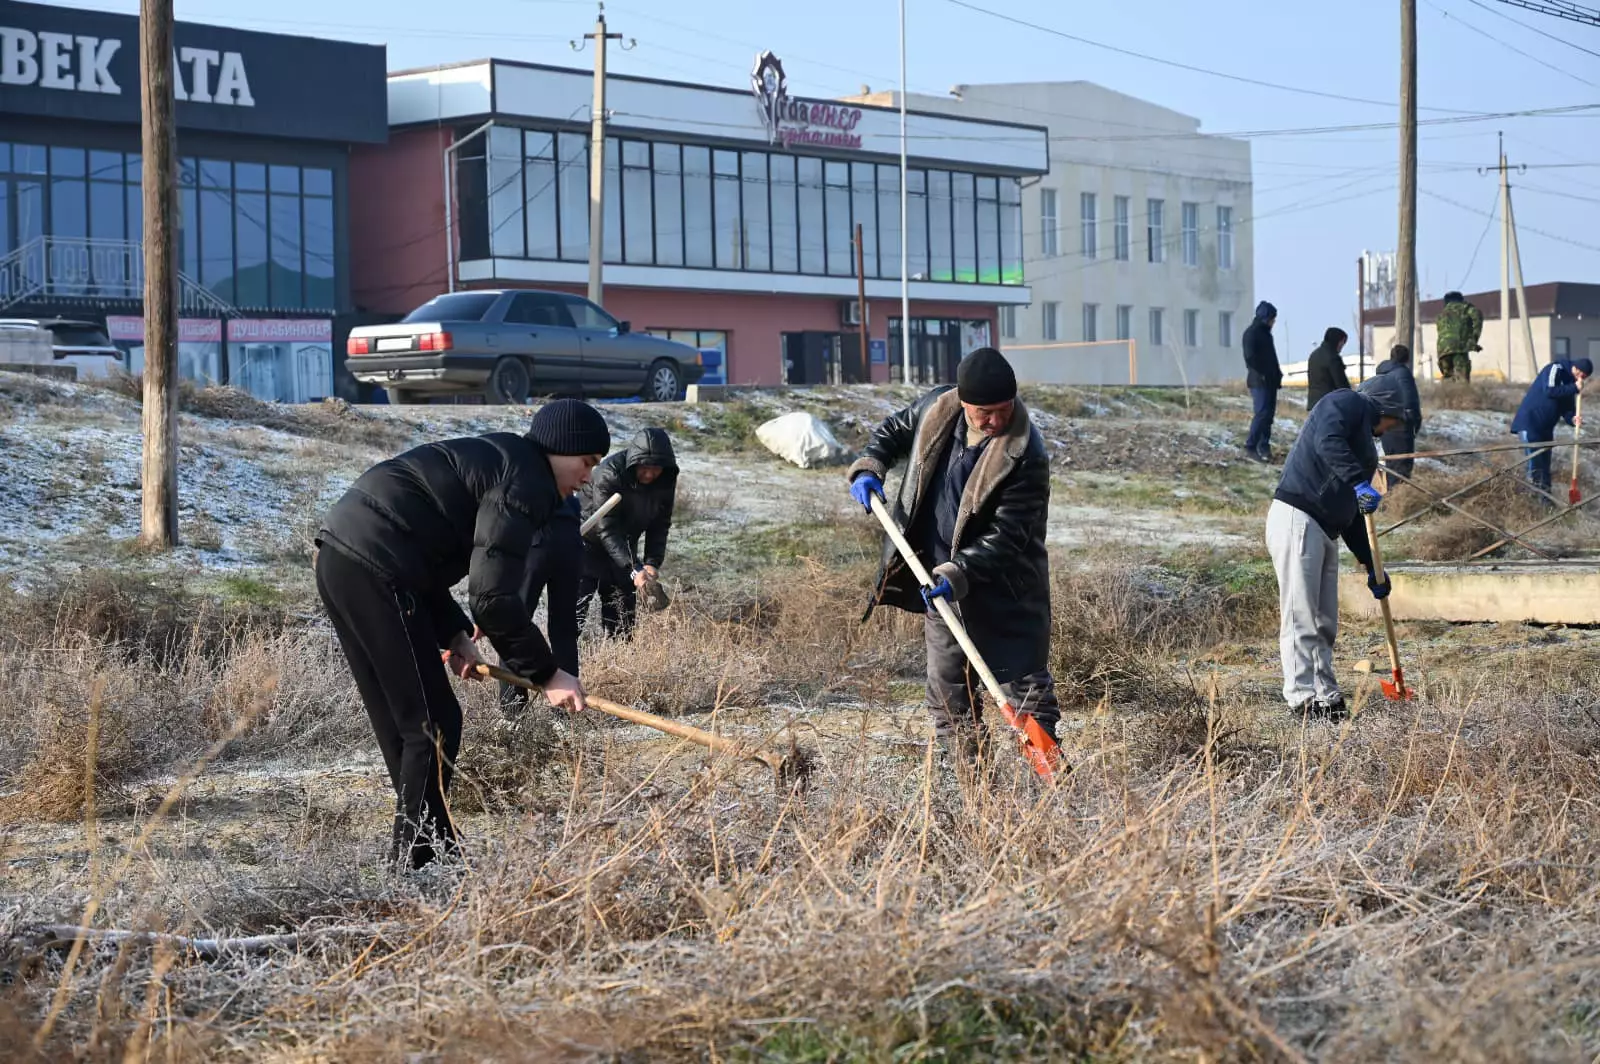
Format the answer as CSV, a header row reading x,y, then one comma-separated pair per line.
x,y
181,752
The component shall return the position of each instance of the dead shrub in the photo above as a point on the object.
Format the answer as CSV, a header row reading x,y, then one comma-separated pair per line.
x,y
1506,502
1497,396
54,783
504,764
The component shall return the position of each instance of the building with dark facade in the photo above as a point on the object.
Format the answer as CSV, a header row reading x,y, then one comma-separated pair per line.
x,y
729,213
266,124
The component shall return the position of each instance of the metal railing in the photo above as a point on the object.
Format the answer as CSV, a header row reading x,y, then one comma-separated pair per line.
x,y
55,267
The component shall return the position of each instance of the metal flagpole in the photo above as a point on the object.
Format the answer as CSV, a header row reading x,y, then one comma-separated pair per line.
x,y
905,214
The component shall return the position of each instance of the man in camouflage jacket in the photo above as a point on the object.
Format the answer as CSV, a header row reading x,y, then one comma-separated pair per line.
x,y
1460,324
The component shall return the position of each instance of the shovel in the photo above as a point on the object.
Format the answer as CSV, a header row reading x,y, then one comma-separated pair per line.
x,y
1394,689
791,770
1042,752
1573,495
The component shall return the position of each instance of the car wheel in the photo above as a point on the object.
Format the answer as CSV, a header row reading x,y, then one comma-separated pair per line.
x,y
405,397
510,382
665,382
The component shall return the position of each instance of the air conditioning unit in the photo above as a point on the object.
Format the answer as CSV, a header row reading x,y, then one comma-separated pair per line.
x,y
850,313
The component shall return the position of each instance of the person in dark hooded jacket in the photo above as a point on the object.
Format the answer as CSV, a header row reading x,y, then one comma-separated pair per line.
x,y
646,476
1325,489
1551,398
1325,369
973,504
1402,440
388,554
1263,377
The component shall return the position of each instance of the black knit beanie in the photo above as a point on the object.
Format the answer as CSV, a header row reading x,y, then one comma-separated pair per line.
x,y
984,378
568,426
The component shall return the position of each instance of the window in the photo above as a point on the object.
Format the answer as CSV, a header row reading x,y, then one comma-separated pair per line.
x,y
250,235
585,315
1155,327
697,234
1225,238
539,195
964,222
811,241
638,225
756,227
1091,322
917,224
506,230
287,281
864,209
1008,323
785,230
1191,234
1155,238
1561,347
455,306
573,192
1122,232
1049,313
1010,231
1191,328
668,159
1225,328
888,222
988,230
729,221
317,203
611,197
1124,322
841,237
941,255
1047,223
1088,207
532,308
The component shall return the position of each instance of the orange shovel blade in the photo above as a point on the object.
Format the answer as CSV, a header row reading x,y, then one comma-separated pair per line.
x,y
1395,690
1043,753
1574,496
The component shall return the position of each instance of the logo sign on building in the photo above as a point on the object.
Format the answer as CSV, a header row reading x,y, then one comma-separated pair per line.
x,y
792,121
190,330
62,63
280,331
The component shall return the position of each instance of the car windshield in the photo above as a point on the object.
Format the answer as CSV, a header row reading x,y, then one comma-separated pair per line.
x,y
457,306
80,336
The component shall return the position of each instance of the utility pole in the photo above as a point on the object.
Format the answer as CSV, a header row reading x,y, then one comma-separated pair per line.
x,y
1505,252
1406,291
861,303
1522,294
597,154
158,514
1361,316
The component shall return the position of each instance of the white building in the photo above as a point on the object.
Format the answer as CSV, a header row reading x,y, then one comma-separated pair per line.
x,y
1140,233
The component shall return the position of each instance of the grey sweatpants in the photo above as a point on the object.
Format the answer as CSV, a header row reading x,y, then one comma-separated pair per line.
x,y
1307,562
954,690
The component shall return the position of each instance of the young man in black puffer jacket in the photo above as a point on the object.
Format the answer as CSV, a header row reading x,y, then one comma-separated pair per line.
x,y
388,554
646,476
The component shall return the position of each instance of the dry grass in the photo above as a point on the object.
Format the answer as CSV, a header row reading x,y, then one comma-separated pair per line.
x,y
1498,396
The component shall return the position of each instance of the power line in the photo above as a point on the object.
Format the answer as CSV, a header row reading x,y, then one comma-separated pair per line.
x,y
1509,46
1479,246
1532,29
1520,227
1560,9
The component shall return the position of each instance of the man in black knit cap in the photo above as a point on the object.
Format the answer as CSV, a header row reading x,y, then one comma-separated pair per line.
x,y
388,554
973,504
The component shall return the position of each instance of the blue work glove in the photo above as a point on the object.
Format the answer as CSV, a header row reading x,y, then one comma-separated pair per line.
x,y
940,590
1379,591
864,487
1367,497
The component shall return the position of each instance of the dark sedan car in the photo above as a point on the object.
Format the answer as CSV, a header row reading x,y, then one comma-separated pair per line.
x,y
513,344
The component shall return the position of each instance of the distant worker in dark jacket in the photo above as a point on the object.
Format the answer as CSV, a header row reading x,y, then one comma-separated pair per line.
x,y
1325,489
1402,440
1325,369
388,554
973,504
1459,327
555,566
646,476
1263,377
1551,398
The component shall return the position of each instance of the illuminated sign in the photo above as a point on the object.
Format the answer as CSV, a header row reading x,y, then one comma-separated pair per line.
x,y
795,122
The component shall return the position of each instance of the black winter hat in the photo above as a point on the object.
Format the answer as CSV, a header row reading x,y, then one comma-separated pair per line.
x,y
570,427
985,378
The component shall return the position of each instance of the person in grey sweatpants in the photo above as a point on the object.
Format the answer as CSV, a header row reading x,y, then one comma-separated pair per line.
x,y
1325,491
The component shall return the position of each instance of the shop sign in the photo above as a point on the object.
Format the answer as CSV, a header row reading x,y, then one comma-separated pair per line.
x,y
82,63
280,331
190,330
791,121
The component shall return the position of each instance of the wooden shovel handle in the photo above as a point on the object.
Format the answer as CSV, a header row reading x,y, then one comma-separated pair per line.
x,y
1577,430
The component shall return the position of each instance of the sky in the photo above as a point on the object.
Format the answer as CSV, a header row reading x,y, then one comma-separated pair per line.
x,y
1322,196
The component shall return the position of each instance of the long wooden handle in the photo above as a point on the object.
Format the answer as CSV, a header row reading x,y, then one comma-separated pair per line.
x,y
1039,748
1378,575
692,734
1577,430
594,518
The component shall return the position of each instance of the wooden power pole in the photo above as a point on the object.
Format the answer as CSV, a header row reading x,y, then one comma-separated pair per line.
x,y
861,305
1405,304
597,157
158,516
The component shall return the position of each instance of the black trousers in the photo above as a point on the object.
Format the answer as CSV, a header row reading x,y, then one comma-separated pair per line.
x,y
393,651
619,599
1400,441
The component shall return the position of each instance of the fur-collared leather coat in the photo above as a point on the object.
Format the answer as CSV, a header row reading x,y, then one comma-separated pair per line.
x,y
999,569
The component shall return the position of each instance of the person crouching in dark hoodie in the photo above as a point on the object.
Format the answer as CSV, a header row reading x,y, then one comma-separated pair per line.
x,y
1325,490
387,556
1402,440
646,476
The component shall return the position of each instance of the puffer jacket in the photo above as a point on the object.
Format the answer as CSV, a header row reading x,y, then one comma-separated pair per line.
x,y
1401,371
999,568
460,508
1324,373
645,509
1334,452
